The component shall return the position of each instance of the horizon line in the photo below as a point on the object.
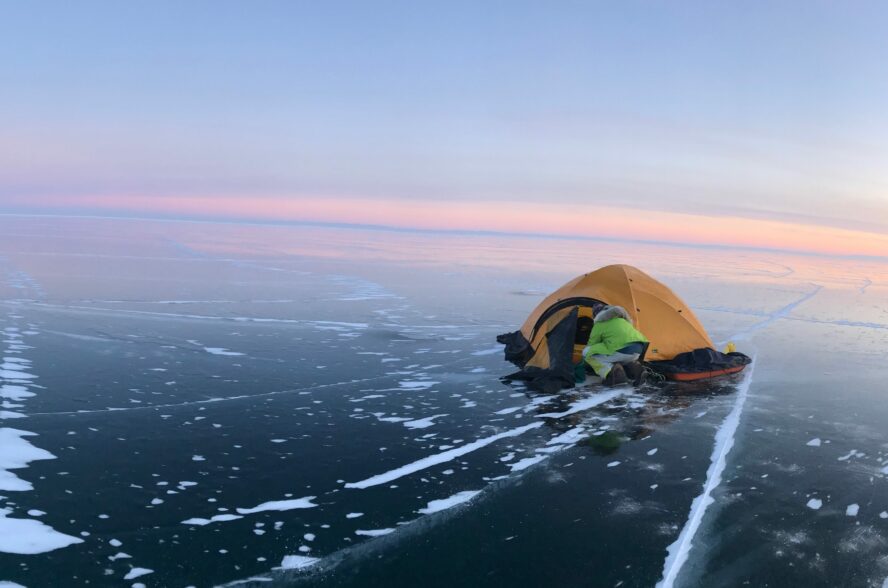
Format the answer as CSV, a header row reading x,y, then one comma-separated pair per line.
x,y
443,231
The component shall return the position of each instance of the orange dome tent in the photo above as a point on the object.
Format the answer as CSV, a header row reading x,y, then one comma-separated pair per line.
x,y
549,343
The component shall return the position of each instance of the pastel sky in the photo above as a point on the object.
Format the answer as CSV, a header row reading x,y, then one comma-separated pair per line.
x,y
756,124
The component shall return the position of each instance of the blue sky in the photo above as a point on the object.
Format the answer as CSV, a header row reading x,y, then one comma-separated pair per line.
x,y
758,110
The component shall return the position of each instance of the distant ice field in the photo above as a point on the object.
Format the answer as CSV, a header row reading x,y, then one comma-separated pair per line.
x,y
210,404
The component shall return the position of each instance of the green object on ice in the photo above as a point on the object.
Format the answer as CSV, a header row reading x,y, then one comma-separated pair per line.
x,y
605,443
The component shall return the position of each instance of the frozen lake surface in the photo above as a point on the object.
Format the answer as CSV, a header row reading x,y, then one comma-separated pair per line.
x,y
209,404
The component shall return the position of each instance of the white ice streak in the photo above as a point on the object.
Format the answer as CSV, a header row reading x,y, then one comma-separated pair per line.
x,y
374,532
509,410
417,384
295,562
216,519
489,351
221,351
449,502
439,458
569,437
214,350
525,463
281,505
584,404
392,419
724,440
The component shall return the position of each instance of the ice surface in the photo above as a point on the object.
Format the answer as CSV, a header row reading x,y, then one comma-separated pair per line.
x,y
119,315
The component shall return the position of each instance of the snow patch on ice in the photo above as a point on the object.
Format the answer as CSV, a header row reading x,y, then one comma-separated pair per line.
x,y
814,442
814,504
16,453
852,510
29,536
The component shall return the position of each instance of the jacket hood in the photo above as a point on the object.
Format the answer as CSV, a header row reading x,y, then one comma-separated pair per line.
x,y
610,312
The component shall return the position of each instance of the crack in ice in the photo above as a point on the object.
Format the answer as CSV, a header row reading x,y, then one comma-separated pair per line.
x,y
724,440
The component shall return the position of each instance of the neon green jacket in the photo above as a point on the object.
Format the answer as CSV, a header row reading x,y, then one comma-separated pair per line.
x,y
610,333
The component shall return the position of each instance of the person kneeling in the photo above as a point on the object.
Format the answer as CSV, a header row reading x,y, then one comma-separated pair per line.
x,y
613,341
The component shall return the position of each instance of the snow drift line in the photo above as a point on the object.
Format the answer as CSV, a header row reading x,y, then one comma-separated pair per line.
x,y
724,441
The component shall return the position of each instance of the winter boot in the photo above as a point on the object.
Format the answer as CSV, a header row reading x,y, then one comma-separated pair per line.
x,y
616,376
634,372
